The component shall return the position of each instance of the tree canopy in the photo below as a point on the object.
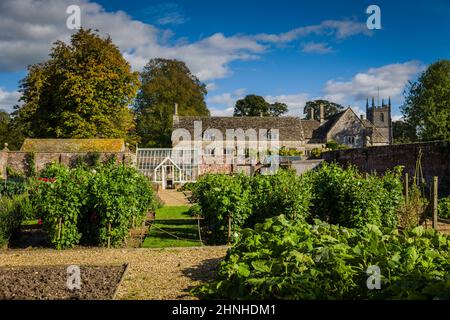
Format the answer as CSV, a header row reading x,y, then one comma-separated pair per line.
x,y
8,133
255,106
330,108
403,132
427,103
83,91
164,83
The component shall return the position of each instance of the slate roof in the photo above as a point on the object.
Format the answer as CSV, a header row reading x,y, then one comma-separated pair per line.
x,y
290,128
73,145
322,131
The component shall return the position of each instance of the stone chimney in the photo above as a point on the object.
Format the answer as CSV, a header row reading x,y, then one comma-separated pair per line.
x,y
311,114
322,113
176,119
362,117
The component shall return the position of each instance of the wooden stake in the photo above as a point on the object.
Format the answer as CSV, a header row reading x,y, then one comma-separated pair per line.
x,y
199,231
109,235
229,229
142,231
59,228
435,202
406,188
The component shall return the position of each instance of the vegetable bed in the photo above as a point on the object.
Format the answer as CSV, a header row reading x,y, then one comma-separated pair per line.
x,y
50,283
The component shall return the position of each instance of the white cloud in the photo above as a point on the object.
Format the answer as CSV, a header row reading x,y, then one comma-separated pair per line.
x,y
337,28
211,86
8,99
295,102
316,47
227,112
390,80
226,99
29,27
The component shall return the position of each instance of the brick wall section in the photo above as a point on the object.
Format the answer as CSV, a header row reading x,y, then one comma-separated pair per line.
x,y
435,160
18,161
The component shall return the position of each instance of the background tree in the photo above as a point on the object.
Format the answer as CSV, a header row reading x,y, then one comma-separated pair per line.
x,y
253,106
404,132
164,83
330,108
427,103
83,91
8,133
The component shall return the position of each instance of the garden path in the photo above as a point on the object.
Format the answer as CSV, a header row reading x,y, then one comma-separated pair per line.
x,y
173,198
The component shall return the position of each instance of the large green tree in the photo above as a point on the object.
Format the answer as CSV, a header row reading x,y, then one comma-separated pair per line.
x,y
330,108
83,91
403,132
8,133
427,103
164,83
255,106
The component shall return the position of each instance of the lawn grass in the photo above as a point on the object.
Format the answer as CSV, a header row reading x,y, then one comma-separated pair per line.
x,y
173,227
172,212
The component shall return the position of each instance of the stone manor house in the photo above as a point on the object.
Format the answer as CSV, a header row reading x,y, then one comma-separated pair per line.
x,y
346,128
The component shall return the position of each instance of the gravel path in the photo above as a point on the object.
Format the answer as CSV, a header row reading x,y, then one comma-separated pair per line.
x,y
158,274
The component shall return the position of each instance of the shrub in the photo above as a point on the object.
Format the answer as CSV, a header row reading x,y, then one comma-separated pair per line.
x,y
121,197
10,217
333,145
444,208
343,196
60,204
284,259
12,187
281,193
91,205
221,197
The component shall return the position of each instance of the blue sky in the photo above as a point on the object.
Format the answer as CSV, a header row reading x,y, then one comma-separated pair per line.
x,y
287,51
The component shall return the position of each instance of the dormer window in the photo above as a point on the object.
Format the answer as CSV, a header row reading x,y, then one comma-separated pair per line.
x,y
272,135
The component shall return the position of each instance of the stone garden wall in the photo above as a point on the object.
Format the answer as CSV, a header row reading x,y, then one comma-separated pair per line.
x,y
19,162
435,160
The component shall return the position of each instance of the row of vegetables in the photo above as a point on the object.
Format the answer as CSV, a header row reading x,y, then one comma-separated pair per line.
x,y
319,236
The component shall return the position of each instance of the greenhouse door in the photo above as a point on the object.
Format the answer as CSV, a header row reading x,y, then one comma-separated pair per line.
x,y
168,176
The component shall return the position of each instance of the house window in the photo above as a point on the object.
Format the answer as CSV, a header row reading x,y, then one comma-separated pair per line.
x,y
208,136
350,139
272,136
228,151
208,152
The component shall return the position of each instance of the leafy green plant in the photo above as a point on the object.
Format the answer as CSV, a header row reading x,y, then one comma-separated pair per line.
x,y
223,197
12,187
285,259
14,174
121,196
444,208
90,205
60,203
281,193
10,217
31,163
316,153
333,145
345,197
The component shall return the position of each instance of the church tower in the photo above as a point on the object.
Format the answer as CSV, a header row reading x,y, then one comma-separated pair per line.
x,y
381,118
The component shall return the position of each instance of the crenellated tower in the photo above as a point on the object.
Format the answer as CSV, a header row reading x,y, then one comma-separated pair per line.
x,y
381,117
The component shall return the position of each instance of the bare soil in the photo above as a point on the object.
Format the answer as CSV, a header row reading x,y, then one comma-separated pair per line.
x,y
158,274
50,283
